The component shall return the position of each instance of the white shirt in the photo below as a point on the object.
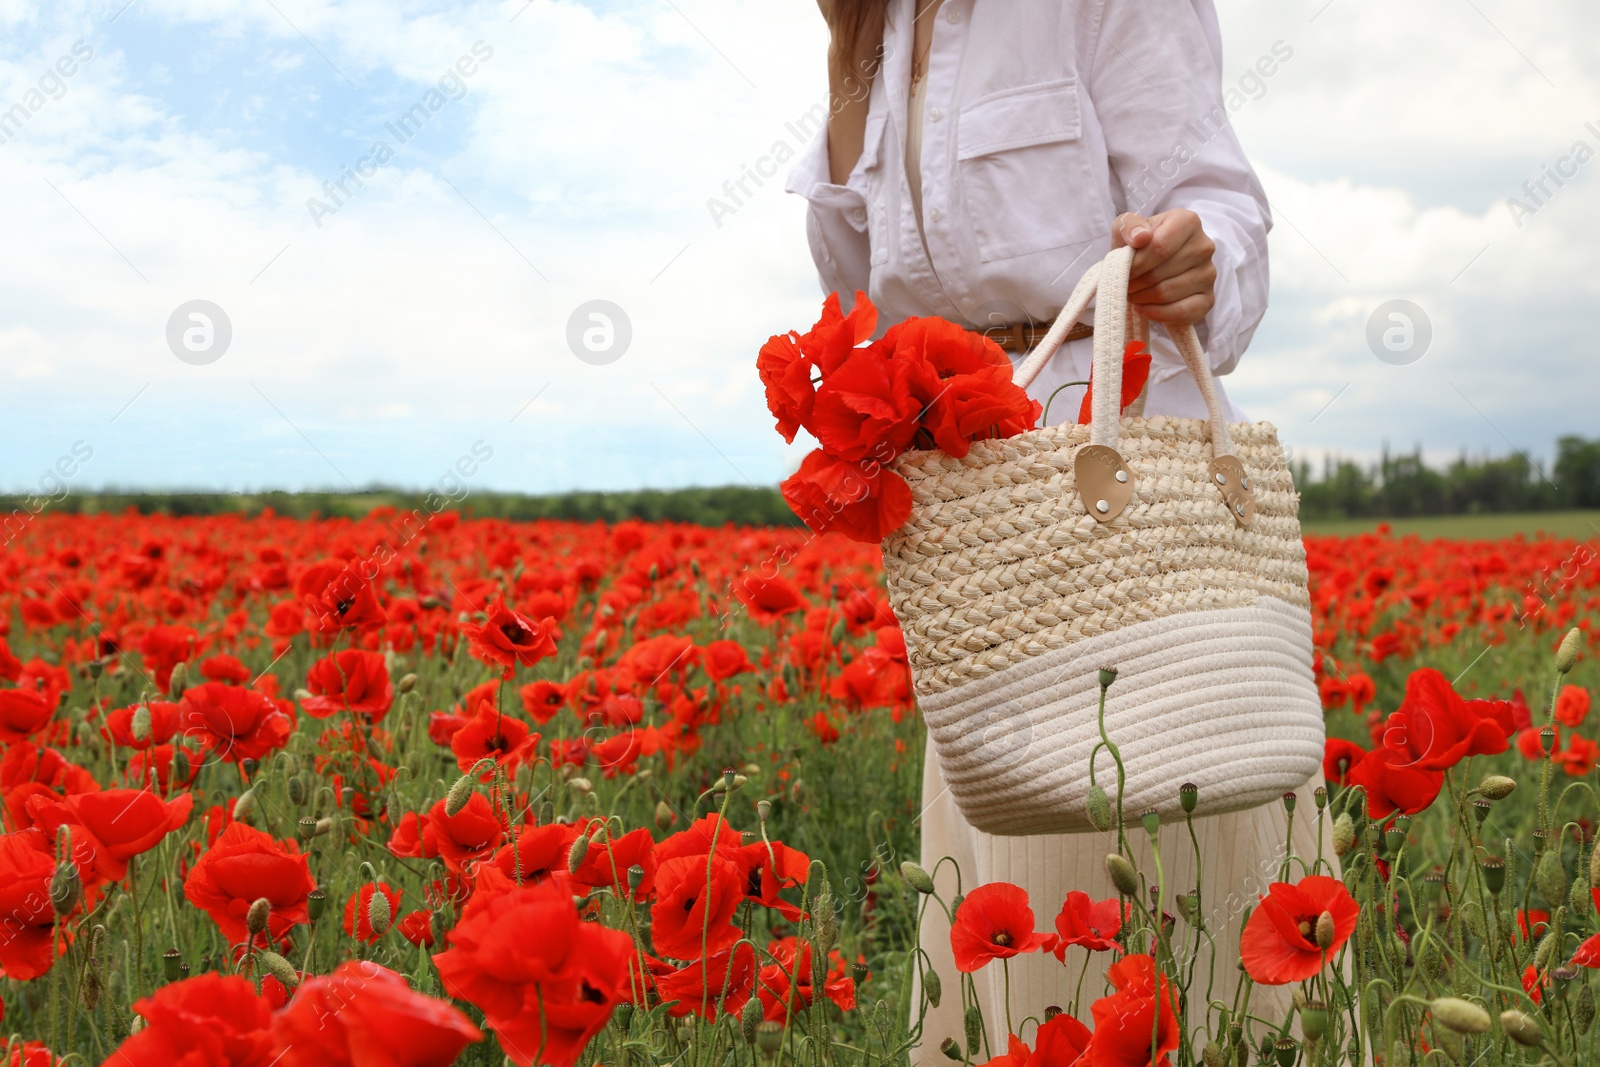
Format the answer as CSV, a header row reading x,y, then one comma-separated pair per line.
x,y
1043,121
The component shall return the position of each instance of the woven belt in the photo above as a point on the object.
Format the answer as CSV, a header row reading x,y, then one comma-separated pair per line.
x,y
1024,336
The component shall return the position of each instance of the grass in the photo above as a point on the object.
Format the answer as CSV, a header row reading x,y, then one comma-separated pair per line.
x,y
1579,525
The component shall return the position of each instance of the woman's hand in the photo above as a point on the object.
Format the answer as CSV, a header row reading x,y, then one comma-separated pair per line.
x,y
1172,279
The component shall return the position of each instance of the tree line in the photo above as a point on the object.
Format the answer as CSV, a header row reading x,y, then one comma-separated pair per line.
x,y
1396,486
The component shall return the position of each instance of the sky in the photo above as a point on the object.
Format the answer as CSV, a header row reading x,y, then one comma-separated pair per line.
x,y
393,220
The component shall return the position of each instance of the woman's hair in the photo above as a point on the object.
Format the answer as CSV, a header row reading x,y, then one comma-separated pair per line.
x,y
851,18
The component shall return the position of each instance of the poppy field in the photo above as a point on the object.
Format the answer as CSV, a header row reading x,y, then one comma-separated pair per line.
x,y
412,790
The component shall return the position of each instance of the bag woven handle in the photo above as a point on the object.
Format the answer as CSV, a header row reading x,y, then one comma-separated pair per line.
x,y
1112,327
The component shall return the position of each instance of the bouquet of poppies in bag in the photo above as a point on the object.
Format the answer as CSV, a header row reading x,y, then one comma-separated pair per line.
x,y
926,383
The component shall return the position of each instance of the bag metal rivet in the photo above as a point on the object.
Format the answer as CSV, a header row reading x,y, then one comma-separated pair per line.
x,y
1101,506
1122,476
1222,479
1244,483
1239,508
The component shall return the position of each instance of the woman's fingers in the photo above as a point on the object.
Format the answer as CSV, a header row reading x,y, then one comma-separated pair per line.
x,y
1177,243
1185,299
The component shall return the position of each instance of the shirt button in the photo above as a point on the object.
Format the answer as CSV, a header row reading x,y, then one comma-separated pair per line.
x,y
953,17
859,215
935,214
935,114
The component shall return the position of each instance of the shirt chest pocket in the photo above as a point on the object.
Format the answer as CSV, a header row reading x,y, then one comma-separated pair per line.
x,y
1024,171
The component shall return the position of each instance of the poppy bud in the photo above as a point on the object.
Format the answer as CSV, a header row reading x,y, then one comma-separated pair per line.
x,y
1432,887
1123,876
297,791
172,964
282,969
245,806
1545,953
379,914
316,901
1497,786
459,794
1099,809
255,920
1051,1012
66,888
1212,1055
139,725
1107,676
859,972
1344,835
1551,878
769,1037
665,816
1594,868
178,681
949,1047
916,877
1189,909
1151,821
972,1022
764,810
1462,1016
306,827
1188,797
580,849
1320,795
1289,801
1547,739
1522,1028
1567,653
750,1018
1286,1050
635,878
932,987
1325,930
1314,1020
1480,808
1583,1009
406,684
303,694
581,786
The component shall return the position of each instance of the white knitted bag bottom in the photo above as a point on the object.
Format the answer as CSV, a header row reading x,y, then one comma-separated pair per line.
x,y
1224,699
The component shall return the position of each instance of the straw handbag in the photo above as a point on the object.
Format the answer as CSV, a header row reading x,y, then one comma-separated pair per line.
x,y
1167,548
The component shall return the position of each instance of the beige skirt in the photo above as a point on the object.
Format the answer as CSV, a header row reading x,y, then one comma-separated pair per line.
x,y
1241,854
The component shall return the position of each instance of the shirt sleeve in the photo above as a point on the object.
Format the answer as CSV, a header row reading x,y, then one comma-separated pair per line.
x,y
836,220
1155,83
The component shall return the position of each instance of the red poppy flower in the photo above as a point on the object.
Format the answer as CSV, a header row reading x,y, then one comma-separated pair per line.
x,y
1391,788
605,865
338,597
1572,705
1134,1026
349,680
1092,924
224,668
26,867
413,838
696,901
242,866
724,659
118,728
509,640
788,984
23,712
1434,729
1279,943
994,922
163,647
862,501
724,982
542,699
545,981
1060,1042
537,853
768,599
867,406
208,1019
417,927
110,827
1135,372
469,835
1339,759
491,734
234,722
773,867
358,910
364,1015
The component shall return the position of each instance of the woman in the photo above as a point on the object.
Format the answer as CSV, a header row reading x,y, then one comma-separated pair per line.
x,y
1003,146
